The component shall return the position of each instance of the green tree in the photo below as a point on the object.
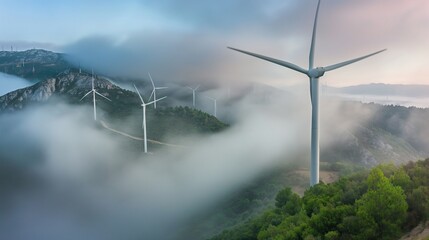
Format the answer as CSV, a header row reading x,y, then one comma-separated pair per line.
x,y
320,195
291,228
384,204
419,174
419,203
332,235
357,228
401,178
288,201
329,218
388,169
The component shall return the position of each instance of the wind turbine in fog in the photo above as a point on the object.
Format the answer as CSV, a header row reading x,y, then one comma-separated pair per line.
x,y
154,91
144,116
193,94
215,105
93,91
314,73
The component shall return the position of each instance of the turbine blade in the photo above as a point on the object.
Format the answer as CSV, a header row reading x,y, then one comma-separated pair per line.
x,y
339,65
197,88
102,96
276,61
85,95
157,100
150,77
140,96
191,88
313,39
152,94
157,88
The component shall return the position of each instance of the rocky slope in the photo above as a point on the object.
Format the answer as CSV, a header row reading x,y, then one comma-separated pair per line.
x,y
69,84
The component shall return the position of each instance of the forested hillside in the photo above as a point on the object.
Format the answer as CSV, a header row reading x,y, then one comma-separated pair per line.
x,y
166,123
379,204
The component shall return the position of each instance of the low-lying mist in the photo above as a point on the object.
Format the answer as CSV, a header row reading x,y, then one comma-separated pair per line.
x,y
64,177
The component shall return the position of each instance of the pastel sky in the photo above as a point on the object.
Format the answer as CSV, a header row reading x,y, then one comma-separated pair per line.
x,y
187,39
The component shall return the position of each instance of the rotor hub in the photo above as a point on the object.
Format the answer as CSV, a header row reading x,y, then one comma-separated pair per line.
x,y
316,72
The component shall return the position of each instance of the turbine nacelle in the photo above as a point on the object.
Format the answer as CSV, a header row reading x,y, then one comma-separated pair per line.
x,y
316,72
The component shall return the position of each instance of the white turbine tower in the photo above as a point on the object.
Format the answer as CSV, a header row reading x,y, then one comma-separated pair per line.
x,y
215,105
93,91
193,94
314,73
144,116
154,91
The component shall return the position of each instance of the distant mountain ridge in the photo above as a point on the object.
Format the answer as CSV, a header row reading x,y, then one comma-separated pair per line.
x,y
34,64
29,56
382,89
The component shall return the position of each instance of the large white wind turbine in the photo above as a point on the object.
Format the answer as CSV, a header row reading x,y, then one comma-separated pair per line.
x,y
154,91
144,116
215,105
93,91
314,73
193,94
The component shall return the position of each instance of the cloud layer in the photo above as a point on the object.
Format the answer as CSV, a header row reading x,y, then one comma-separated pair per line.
x,y
63,178
188,39
197,51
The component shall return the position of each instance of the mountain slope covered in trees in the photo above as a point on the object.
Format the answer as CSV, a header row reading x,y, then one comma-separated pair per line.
x,y
34,64
379,204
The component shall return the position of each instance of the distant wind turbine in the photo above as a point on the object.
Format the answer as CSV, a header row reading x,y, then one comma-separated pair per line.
x,y
93,91
193,94
144,116
215,105
314,73
154,91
